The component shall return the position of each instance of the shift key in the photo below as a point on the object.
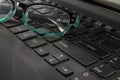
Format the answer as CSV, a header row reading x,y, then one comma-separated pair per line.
x,y
75,52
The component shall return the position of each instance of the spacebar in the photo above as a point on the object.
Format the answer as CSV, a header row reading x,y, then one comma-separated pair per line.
x,y
75,52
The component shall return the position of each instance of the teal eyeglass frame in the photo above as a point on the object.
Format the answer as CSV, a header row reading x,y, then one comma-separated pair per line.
x,y
25,18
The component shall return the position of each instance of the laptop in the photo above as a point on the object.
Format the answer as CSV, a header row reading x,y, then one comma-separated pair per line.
x,y
89,52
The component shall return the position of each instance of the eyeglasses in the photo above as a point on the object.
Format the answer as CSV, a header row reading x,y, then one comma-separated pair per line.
x,y
42,18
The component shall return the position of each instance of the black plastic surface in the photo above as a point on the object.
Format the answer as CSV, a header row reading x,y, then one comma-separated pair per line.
x,y
19,62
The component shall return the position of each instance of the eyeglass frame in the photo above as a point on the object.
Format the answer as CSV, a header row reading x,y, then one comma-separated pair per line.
x,y
25,7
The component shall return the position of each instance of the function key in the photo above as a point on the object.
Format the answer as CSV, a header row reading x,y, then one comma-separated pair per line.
x,y
41,51
18,29
85,76
64,70
103,70
51,60
61,56
114,61
35,42
27,35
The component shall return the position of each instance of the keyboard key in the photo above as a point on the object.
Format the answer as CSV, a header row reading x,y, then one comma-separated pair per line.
x,y
103,70
37,1
51,39
44,29
80,30
41,51
93,37
18,29
116,33
11,23
108,28
35,42
27,35
116,77
26,1
75,52
48,1
61,56
110,46
112,36
51,60
64,70
85,76
114,61
98,30
97,24
87,22
95,50
44,10
112,40
71,36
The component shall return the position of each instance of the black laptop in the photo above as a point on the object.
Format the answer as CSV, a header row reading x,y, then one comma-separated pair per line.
x,y
91,51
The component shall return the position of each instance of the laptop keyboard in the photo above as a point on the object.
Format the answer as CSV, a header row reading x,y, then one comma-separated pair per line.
x,y
93,45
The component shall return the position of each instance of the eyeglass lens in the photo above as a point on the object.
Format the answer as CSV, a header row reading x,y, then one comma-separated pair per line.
x,y
5,7
47,18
